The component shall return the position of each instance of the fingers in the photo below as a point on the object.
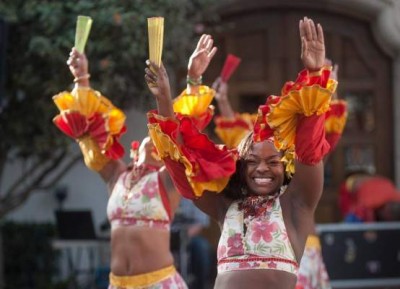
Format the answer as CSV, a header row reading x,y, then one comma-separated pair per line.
x,y
148,79
163,71
313,30
308,31
304,47
150,75
212,52
76,59
202,41
320,36
209,43
151,71
301,29
73,60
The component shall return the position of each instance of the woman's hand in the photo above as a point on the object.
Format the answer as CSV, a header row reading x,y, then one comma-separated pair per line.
x,y
201,57
79,66
312,44
157,80
158,83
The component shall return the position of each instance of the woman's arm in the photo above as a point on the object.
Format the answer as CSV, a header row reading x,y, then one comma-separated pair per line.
x,y
310,145
180,144
109,169
221,96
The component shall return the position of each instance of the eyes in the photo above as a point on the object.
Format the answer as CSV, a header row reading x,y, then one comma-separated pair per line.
x,y
275,162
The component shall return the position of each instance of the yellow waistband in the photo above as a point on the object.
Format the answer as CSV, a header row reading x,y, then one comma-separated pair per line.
x,y
142,279
313,242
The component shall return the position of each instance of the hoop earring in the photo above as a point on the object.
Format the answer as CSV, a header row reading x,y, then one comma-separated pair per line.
x,y
244,191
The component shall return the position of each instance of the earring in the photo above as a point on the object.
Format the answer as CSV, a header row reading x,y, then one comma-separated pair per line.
x,y
244,191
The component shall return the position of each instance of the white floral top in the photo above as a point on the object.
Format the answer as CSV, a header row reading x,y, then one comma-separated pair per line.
x,y
144,204
258,240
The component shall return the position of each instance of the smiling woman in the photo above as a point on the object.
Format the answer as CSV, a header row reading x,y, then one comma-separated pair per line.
x,y
265,212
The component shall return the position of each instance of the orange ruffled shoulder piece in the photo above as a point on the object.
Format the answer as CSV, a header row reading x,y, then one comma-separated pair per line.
x,y
336,117
309,95
86,113
232,131
208,167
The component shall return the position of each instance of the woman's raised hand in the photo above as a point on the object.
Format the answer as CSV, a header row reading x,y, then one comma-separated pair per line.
x,y
78,65
312,44
158,82
201,57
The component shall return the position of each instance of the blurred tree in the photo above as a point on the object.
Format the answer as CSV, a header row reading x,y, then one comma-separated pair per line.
x,y
40,36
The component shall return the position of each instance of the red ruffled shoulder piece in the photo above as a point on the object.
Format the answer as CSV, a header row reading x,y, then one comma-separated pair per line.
x,y
201,121
98,129
116,150
211,161
335,122
297,117
307,78
231,131
262,130
208,167
337,108
224,123
71,123
86,113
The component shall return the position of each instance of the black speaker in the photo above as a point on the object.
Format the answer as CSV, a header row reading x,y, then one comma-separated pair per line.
x,y
3,45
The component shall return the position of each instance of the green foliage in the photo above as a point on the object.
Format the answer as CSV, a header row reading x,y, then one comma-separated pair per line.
x,y
41,35
29,260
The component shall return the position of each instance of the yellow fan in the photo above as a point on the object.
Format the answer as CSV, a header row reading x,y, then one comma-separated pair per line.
x,y
83,25
156,37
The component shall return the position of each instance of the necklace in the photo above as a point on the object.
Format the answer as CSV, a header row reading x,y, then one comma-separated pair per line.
x,y
133,177
255,206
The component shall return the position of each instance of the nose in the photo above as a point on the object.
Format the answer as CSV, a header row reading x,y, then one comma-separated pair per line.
x,y
263,167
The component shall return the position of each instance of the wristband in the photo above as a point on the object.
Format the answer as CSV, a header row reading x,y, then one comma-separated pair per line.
x,y
192,81
85,76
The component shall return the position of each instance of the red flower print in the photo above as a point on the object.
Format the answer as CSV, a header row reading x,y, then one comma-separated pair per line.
x,y
262,230
150,190
235,245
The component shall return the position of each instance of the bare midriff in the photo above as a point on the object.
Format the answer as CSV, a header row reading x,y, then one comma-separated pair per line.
x,y
255,279
139,250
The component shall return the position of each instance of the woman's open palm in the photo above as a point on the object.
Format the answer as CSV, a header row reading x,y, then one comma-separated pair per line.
x,y
312,44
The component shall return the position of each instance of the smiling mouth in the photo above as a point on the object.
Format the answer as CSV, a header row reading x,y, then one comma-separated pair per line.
x,y
262,181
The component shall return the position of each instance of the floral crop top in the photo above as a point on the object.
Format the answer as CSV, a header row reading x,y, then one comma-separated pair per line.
x,y
143,204
254,236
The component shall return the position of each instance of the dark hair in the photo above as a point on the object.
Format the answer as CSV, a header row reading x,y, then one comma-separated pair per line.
x,y
237,183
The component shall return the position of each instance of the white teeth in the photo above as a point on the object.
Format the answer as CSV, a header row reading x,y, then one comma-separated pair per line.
x,y
262,181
